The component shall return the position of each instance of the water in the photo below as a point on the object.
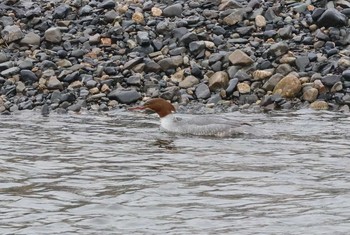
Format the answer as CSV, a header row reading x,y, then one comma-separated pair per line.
x,y
118,174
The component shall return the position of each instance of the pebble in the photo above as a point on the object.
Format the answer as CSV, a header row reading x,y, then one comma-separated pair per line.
x,y
53,35
218,80
202,91
319,105
11,33
310,95
238,57
288,87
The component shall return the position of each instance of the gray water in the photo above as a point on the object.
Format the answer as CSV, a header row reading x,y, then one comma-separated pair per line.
x,y
116,173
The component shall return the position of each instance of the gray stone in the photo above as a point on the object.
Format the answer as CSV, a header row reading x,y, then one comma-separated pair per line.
x,y
235,17
196,47
133,80
131,63
188,37
278,49
53,35
61,11
231,86
188,82
11,33
238,57
170,62
286,31
31,39
143,38
151,66
270,84
10,72
202,91
124,96
330,80
53,83
77,106
3,57
302,62
173,10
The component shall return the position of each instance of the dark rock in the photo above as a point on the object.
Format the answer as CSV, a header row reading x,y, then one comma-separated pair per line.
x,y
107,4
77,106
151,66
330,80
25,105
124,96
143,38
278,49
61,11
72,77
28,77
46,64
331,18
231,86
188,37
196,47
346,75
131,63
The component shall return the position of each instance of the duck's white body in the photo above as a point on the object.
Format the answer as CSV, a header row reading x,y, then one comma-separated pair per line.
x,y
196,125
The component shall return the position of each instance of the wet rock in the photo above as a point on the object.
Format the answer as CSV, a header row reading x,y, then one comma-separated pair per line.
x,y
173,10
124,96
288,86
319,105
53,35
202,91
188,82
218,80
11,33
238,57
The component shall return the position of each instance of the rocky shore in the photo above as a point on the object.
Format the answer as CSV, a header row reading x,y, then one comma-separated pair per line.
x,y
100,55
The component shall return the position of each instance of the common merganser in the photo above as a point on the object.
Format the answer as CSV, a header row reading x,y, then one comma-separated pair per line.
x,y
197,125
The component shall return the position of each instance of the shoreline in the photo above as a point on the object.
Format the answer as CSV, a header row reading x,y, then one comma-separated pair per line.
x,y
221,55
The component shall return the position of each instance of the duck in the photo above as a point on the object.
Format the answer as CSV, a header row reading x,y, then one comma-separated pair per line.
x,y
195,125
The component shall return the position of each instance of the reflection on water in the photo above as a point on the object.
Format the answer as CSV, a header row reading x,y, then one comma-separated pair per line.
x,y
118,174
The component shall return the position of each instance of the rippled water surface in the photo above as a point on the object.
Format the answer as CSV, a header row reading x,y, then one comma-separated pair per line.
x,y
116,173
